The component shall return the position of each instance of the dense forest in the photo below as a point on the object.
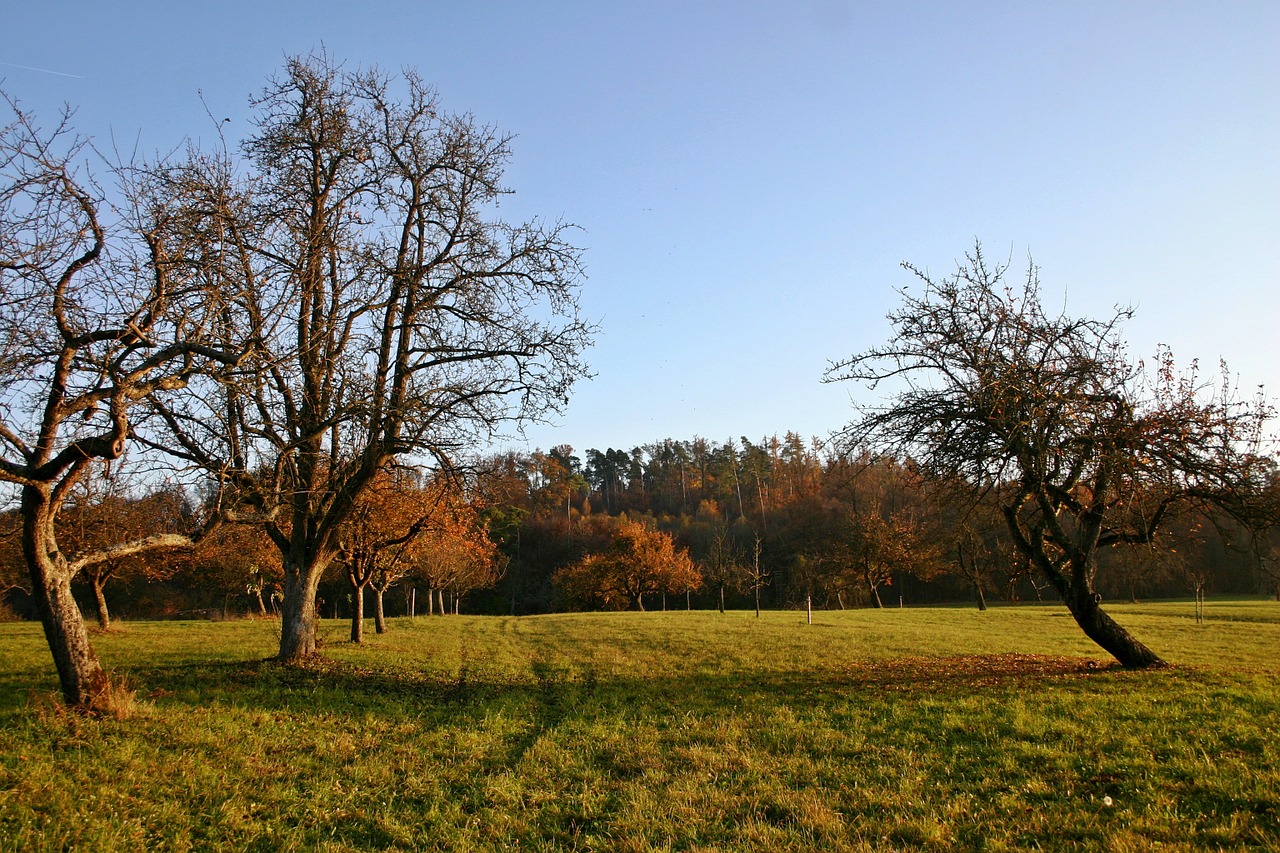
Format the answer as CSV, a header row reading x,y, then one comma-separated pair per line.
x,y
777,523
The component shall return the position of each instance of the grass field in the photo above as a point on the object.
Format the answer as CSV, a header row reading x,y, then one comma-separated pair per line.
x,y
916,729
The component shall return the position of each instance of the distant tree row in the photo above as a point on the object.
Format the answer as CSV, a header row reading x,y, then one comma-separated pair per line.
x,y
522,534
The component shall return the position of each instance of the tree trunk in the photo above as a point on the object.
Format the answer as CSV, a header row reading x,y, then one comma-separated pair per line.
x,y
357,613
100,600
379,615
298,614
982,596
875,594
808,609
262,605
84,683
721,598
1104,631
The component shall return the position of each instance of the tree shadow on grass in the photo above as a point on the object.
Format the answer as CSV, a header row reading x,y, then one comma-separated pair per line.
x,y
548,692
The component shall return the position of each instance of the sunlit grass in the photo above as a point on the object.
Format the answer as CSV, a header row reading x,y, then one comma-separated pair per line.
x,y
924,729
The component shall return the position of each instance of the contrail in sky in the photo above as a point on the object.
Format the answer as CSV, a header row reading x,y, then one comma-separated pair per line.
x,y
41,70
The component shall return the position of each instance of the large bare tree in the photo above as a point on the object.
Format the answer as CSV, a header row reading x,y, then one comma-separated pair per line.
x,y
355,242
92,321
1044,413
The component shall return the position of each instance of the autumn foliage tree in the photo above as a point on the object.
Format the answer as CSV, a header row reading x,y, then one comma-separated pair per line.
x,y
101,512
638,561
1081,447
375,538
234,560
455,554
407,527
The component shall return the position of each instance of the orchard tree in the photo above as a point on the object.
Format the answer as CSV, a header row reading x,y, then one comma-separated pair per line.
x,y
454,553
101,512
639,561
1082,448
396,519
93,319
237,559
372,540
884,546
354,242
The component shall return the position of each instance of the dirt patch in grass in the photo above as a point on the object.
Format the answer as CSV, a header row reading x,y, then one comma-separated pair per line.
x,y
1004,670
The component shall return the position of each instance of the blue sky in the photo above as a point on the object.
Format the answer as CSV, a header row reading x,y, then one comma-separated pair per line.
x,y
749,175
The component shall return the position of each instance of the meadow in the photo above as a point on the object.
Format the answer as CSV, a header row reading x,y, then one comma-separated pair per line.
x,y
915,729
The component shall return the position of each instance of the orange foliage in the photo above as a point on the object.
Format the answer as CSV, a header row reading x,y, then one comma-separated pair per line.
x,y
638,561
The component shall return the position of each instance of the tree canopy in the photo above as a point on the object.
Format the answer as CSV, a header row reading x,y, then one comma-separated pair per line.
x,y
1081,447
392,314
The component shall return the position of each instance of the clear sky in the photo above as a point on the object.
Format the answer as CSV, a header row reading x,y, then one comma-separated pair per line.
x,y
748,175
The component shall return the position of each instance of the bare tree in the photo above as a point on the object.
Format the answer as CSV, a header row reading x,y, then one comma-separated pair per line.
x,y
1087,449
92,321
757,576
355,244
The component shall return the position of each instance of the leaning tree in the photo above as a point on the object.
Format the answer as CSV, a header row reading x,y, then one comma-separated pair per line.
x,y
354,241
92,320
1082,448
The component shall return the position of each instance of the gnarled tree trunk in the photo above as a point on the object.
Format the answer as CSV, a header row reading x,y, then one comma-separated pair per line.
x,y
298,614
1108,634
1077,591
83,681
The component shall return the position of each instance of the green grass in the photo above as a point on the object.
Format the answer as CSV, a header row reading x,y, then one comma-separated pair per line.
x,y
917,729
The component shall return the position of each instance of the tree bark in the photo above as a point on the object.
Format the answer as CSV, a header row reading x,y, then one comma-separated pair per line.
x,y
298,615
357,613
83,681
100,600
982,596
379,615
1075,587
1104,631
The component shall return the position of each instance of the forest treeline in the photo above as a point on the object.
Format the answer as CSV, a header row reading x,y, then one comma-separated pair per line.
x,y
777,523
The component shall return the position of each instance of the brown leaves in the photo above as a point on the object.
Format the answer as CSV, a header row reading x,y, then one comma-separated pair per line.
x,y
970,671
